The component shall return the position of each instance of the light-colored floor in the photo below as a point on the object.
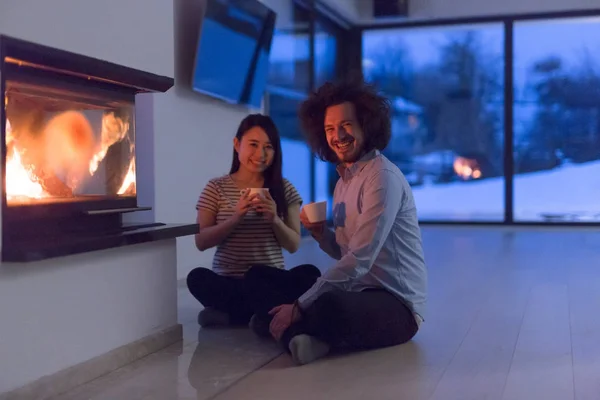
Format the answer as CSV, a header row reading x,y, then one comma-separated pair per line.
x,y
511,313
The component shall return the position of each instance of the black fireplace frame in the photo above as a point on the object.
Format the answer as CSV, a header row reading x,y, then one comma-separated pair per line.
x,y
28,229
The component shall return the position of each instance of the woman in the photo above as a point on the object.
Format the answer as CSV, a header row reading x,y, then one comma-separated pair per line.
x,y
249,231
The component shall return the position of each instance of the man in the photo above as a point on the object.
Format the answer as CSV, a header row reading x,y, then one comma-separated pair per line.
x,y
375,295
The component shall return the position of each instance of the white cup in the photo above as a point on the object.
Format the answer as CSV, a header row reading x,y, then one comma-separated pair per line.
x,y
262,192
316,212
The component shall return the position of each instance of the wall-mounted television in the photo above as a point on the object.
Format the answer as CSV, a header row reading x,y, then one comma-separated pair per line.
x,y
232,58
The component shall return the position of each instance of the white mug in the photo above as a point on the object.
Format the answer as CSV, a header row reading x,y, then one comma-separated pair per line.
x,y
262,192
316,212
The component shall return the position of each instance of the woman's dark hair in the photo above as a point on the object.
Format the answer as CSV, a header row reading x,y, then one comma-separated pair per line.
x,y
373,112
272,175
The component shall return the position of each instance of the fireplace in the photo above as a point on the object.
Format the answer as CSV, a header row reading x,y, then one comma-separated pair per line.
x,y
68,142
66,145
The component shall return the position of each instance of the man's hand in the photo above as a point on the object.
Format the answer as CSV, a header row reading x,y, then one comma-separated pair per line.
x,y
283,317
315,228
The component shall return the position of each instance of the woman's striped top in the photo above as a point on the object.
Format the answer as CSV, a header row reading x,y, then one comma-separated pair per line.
x,y
253,241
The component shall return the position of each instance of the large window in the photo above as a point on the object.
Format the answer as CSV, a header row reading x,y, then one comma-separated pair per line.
x,y
306,53
328,53
288,85
557,120
455,120
446,88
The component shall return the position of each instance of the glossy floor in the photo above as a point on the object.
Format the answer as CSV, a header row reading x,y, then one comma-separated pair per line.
x,y
511,313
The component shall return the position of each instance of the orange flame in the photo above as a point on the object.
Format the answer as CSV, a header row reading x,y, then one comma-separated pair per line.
x,y
129,180
19,182
19,179
113,130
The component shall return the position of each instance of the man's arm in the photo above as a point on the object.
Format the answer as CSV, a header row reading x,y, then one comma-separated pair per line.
x,y
328,244
382,199
323,235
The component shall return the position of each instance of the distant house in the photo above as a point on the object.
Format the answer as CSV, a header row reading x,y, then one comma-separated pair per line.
x,y
408,128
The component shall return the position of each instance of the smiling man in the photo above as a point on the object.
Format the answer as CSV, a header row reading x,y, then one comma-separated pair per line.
x,y
375,294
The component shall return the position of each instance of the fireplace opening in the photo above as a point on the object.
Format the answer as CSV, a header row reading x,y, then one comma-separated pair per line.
x,y
67,145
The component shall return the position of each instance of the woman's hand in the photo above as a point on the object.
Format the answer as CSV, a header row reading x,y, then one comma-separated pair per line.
x,y
283,317
244,204
266,206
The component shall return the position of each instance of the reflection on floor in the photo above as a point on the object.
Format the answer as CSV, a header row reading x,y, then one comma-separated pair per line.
x,y
511,313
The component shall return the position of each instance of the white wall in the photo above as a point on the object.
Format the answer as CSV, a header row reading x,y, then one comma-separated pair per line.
x,y
349,9
284,11
58,313
64,311
135,33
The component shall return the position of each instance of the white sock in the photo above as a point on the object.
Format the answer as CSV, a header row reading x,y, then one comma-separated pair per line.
x,y
306,349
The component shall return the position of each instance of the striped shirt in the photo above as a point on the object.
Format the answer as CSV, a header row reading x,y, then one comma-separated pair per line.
x,y
253,241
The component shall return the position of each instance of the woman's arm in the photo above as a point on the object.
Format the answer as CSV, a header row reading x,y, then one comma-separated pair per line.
x,y
288,232
212,234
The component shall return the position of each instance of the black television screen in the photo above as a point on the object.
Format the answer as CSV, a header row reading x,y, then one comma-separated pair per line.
x,y
232,59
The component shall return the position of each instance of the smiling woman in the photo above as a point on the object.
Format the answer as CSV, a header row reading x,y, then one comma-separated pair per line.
x,y
250,228
257,156
256,151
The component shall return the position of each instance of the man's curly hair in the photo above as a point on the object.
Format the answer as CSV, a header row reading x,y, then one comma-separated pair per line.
x,y
373,112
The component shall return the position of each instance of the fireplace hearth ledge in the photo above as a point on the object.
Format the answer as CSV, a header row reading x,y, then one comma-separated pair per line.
x,y
130,235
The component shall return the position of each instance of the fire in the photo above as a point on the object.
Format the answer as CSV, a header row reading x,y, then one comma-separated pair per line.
x,y
113,131
66,145
20,183
466,168
129,181
69,142
19,180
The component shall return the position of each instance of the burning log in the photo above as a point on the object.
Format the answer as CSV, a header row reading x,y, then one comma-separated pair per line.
x,y
53,185
49,182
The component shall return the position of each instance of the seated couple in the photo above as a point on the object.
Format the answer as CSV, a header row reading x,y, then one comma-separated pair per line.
x,y
374,295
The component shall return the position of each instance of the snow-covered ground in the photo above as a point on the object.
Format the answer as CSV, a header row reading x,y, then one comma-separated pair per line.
x,y
572,188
